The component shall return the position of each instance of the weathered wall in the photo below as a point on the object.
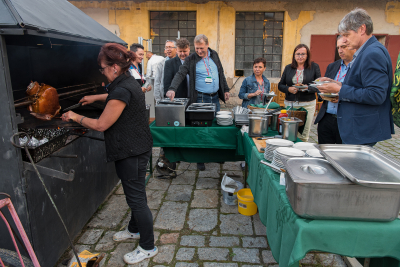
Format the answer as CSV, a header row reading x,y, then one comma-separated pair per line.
x,y
216,19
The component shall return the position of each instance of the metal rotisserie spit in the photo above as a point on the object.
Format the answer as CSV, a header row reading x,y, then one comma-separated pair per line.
x,y
73,167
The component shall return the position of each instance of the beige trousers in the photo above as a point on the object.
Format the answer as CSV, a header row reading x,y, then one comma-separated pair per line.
x,y
310,117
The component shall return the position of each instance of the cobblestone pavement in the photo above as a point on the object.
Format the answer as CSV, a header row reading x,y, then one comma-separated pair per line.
x,y
192,225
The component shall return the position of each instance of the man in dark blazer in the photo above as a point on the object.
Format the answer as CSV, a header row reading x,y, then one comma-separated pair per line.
x,y
364,112
172,67
328,131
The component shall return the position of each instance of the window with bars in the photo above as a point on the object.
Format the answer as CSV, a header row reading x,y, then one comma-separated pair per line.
x,y
259,34
165,26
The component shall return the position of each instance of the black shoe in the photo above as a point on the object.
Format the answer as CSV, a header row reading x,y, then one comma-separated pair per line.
x,y
201,166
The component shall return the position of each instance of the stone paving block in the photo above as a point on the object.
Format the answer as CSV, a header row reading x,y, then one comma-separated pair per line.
x,y
156,236
154,198
235,224
186,264
267,256
143,263
106,242
215,264
207,183
187,178
184,165
165,254
212,166
213,254
193,240
185,254
154,214
205,199
171,216
120,191
259,227
111,215
179,193
158,184
209,174
203,220
254,242
325,258
171,238
225,208
224,241
232,166
117,258
91,236
309,259
159,266
252,265
338,261
250,255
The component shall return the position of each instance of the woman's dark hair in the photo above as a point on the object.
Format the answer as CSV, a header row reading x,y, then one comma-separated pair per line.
x,y
135,47
307,64
260,60
112,53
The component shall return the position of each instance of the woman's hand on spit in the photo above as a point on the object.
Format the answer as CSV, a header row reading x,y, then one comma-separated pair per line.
x,y
88,99
69,115
293,90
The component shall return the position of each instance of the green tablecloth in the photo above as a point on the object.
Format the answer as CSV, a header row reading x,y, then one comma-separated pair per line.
x,y
198,144
291,237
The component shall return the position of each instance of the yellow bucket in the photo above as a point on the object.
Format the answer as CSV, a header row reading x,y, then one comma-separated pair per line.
x,y
246,205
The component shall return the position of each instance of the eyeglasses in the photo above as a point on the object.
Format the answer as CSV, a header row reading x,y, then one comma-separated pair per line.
x,y
300,55
170,47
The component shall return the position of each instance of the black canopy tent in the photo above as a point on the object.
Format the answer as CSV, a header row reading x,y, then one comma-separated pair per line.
x,y
52,42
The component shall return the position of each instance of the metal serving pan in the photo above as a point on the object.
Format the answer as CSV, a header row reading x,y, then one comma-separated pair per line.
x,y
363,165
316,190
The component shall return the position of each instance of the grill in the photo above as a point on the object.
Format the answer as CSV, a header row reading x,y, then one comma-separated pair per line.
x,y
72,162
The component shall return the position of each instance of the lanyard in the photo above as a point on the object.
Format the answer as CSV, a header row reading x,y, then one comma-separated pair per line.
x,y
298,76
206,65
141,77
338,76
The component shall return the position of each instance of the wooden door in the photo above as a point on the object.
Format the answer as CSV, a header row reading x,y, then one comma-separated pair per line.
x,y
323,48
393,47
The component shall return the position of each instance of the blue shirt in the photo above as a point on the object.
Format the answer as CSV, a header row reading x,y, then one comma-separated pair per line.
x,y
332,107
202,74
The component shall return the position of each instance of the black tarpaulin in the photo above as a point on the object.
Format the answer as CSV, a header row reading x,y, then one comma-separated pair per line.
x,y
56,17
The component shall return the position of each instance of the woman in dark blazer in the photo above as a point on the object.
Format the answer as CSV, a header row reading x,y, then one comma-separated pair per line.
x,y
301,71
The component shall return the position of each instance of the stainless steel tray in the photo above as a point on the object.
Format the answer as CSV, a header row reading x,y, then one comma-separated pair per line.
x,y
363,165
316,190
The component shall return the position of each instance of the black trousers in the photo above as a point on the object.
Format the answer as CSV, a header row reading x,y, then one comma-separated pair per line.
x,y
328,130
132,172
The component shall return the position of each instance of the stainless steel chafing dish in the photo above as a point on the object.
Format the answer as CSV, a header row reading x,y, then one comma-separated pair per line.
x,y
316,190
171,113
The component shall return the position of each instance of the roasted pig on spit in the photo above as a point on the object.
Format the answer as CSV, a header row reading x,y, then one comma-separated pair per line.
x,y
45,101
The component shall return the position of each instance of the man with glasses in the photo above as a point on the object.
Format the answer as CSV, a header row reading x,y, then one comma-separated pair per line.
x,y
328,131
364,113
170,47
207,82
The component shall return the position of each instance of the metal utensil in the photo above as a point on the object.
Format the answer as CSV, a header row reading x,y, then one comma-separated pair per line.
x,y
272,166
72,107
269,102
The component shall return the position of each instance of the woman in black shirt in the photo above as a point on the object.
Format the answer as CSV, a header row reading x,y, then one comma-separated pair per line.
x,y
301,72
128,142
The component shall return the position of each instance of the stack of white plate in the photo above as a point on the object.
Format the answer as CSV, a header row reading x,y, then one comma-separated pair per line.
x,y
313,153
289,152
304,146
224,120
273,144
224,112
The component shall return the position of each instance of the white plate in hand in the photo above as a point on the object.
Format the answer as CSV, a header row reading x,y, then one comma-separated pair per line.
x,y
328,94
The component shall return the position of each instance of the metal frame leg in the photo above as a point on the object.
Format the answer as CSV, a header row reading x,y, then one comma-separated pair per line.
x,y
149,169
246,172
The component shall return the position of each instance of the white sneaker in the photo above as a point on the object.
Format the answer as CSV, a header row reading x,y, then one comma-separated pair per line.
x,y
139,254
125,234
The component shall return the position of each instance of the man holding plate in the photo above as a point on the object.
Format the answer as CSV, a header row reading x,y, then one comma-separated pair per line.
x,y
328,131
364,112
